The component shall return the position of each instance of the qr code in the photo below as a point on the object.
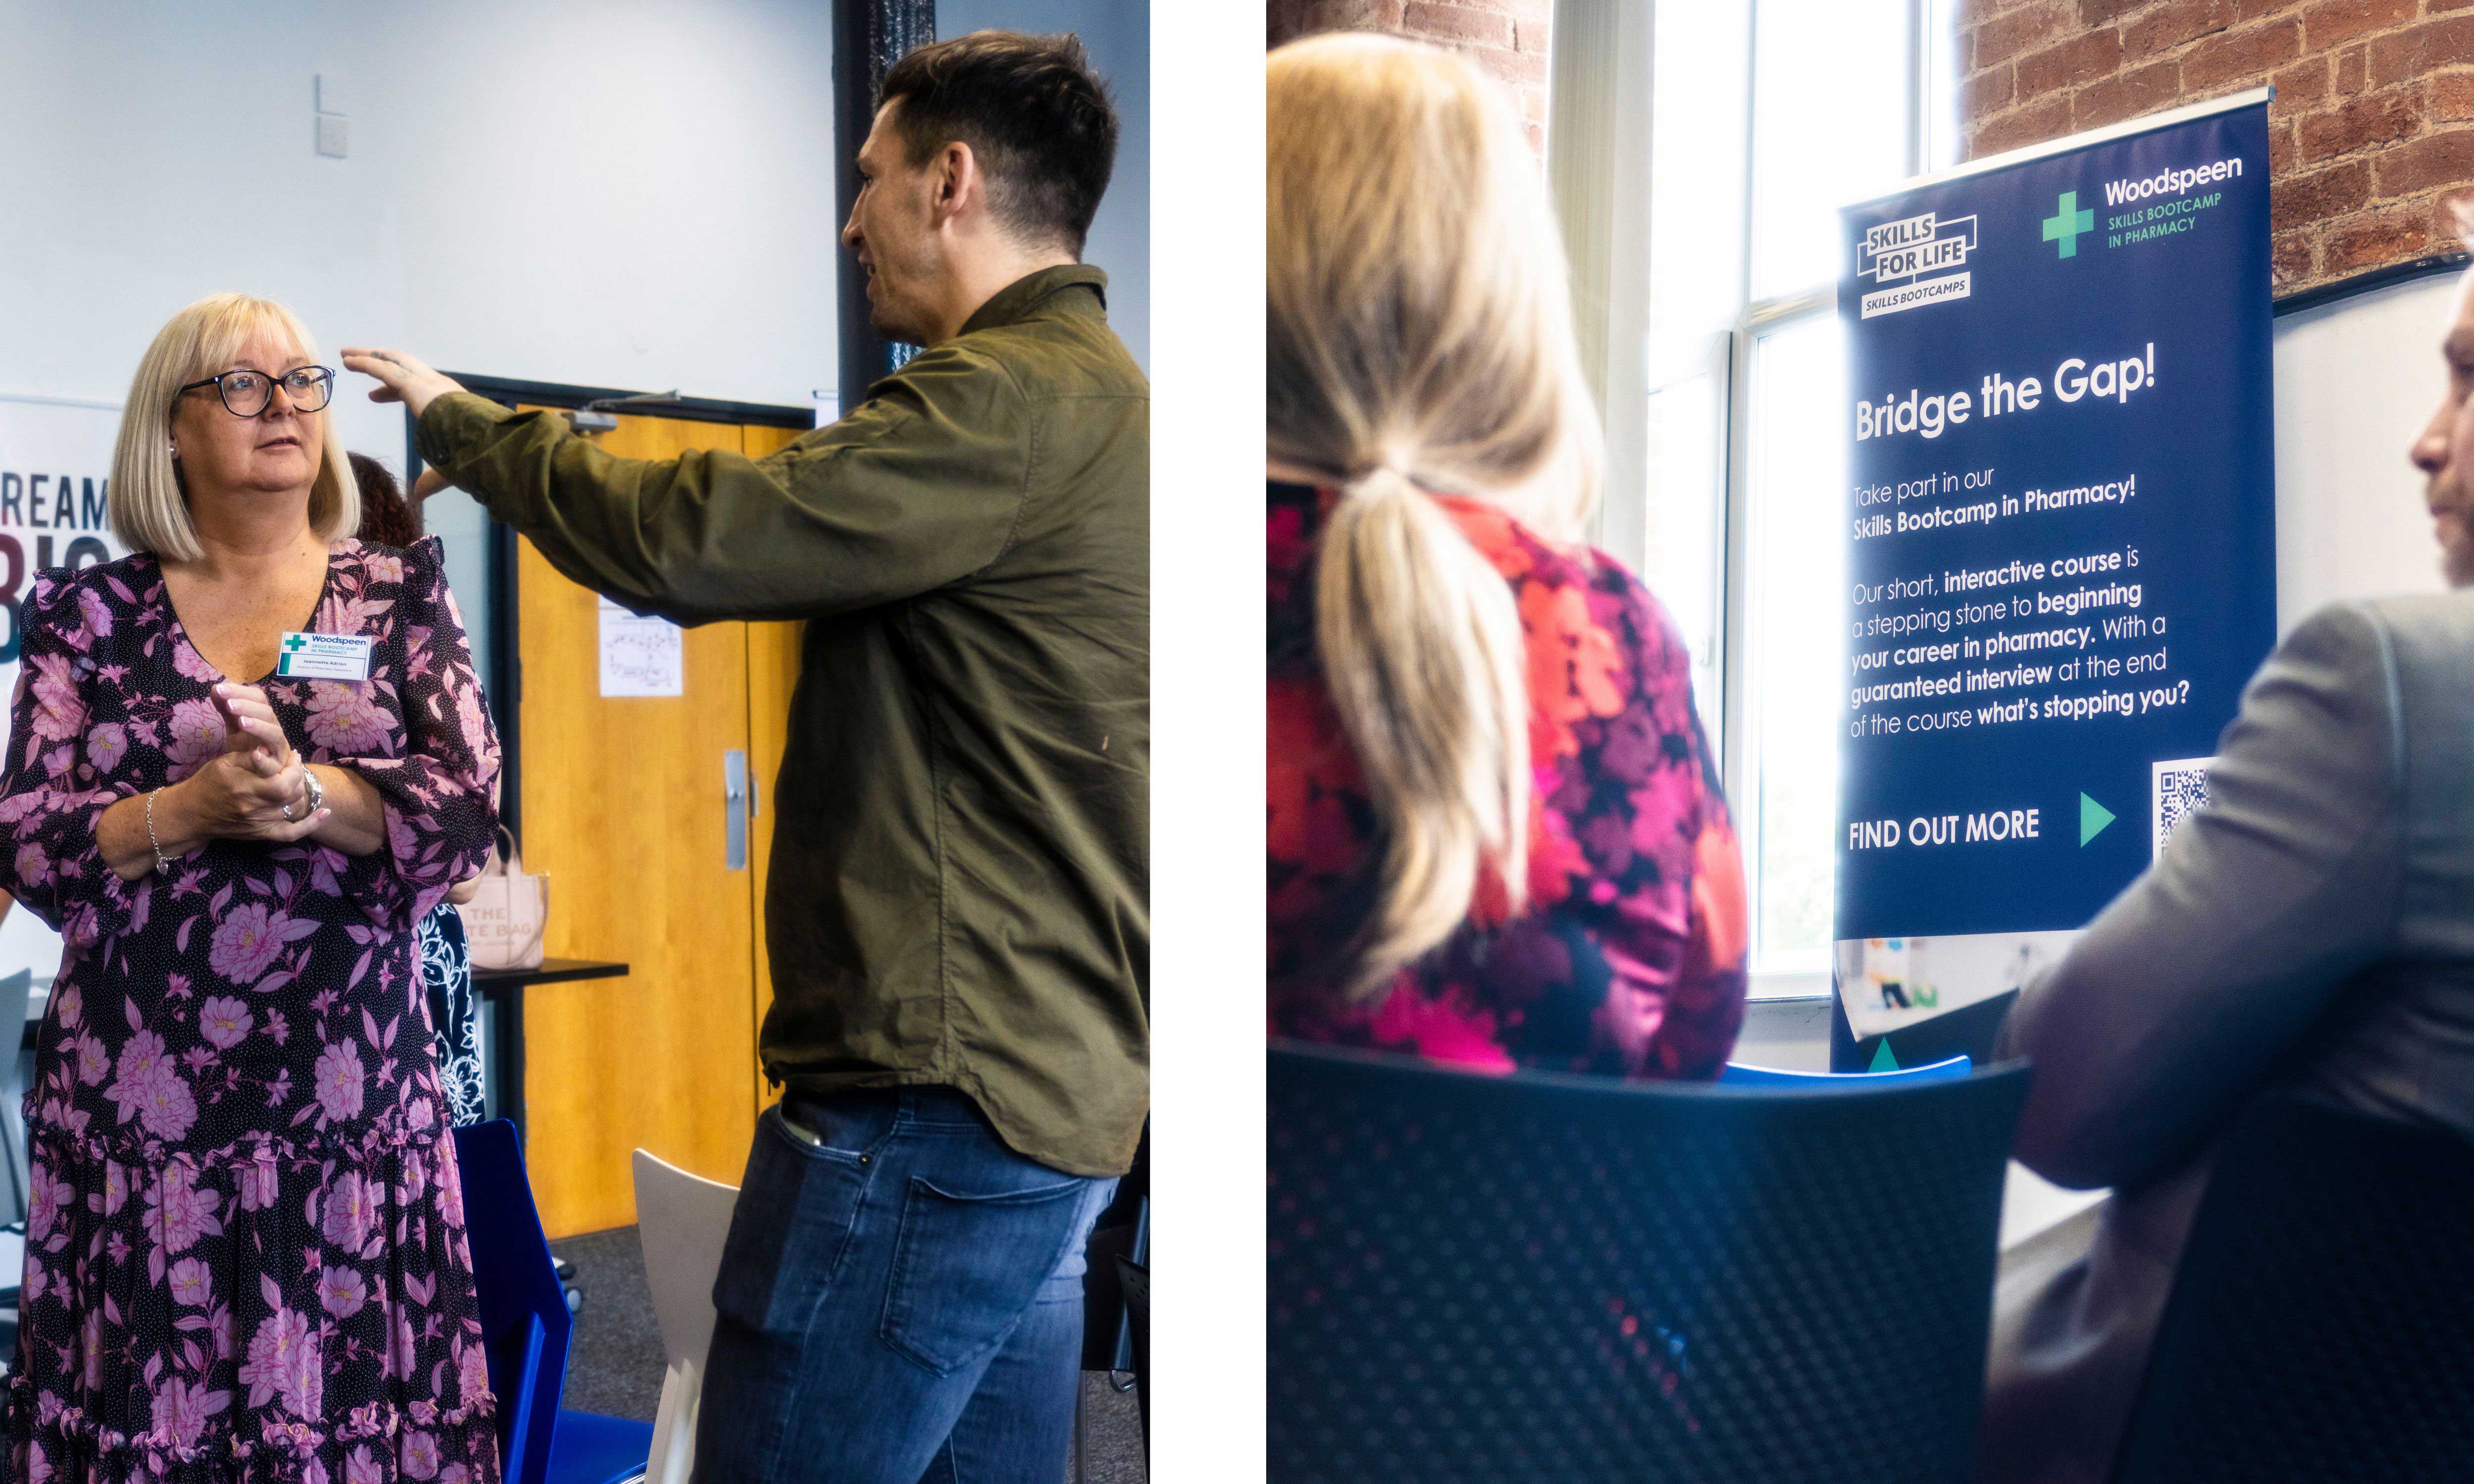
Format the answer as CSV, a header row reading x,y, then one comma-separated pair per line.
x,y
2178,790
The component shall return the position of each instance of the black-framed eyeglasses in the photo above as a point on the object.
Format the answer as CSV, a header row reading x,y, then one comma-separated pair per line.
x,y
244,394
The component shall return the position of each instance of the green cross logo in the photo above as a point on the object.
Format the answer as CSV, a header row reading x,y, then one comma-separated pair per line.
x,y
294,643
2067,222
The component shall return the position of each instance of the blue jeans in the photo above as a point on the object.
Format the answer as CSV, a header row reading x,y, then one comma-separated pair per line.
x,y
900,1301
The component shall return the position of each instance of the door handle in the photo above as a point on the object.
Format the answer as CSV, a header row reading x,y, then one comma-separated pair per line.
x,y
735,809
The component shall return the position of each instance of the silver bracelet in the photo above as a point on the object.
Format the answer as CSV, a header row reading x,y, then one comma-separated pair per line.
x,y
163,866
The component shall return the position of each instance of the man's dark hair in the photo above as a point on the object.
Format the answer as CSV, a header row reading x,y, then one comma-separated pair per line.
x,y
1030,108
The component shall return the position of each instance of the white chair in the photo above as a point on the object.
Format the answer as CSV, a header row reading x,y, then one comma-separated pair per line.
x,y
683,1220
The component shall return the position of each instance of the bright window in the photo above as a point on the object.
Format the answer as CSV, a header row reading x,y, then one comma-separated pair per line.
x,y
1766,116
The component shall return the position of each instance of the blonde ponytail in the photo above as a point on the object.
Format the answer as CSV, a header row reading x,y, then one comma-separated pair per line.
x,y
1419,335
1422,649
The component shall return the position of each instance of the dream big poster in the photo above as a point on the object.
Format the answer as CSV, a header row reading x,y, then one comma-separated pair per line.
x,y
55,478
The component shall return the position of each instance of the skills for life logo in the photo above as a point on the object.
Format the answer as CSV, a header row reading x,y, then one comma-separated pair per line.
x,y
2068,222
1916,254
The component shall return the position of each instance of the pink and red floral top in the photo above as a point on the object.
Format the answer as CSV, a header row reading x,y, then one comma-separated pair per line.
x,y
245,1248
1629,959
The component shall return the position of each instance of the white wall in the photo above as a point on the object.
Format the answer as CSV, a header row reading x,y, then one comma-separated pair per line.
x,y
2355,382
622,194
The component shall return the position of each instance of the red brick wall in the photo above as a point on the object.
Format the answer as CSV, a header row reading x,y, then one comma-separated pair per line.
x,y
1508,38
2371,132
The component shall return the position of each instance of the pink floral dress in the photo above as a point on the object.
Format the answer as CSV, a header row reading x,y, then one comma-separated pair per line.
x,y
245,1255
1630,959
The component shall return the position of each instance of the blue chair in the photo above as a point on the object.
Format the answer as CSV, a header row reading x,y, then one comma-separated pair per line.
x,y
525,1327
1737,1074
591,1448
1496,1278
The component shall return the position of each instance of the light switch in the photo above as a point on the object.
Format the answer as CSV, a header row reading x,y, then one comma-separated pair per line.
x,y
327,93
332,135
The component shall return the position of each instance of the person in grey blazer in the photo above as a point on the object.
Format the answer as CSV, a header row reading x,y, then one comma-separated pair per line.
x,y
2311,928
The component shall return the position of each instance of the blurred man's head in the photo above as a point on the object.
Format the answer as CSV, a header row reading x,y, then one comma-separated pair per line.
x,y
2444,450
987,160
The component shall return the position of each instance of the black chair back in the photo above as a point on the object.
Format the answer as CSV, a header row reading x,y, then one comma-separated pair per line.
x,y
1136,1280
1481,1278
2321,1324
1123,1230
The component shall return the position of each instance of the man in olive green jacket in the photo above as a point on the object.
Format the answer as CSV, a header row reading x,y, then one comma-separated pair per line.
x,y
958,913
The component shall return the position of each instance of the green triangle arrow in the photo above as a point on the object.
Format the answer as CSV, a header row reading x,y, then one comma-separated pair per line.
x,y
1882,1060
2093,818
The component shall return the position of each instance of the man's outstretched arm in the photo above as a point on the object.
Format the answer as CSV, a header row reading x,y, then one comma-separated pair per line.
x,y
919,486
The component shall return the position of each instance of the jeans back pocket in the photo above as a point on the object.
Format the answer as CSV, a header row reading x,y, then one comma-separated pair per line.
x,y
967,1266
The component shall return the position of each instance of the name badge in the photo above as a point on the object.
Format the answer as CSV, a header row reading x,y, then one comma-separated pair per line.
x,y
324,657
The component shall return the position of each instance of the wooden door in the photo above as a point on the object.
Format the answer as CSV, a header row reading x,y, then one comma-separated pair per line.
x,y
624,807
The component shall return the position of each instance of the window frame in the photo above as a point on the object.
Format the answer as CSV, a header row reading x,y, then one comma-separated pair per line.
x,y
1599,124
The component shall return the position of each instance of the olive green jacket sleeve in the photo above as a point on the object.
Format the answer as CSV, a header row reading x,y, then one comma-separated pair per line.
x,y
920,487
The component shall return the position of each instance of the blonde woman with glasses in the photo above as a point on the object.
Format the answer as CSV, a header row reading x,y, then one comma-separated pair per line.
x,y
1496,839
245,1253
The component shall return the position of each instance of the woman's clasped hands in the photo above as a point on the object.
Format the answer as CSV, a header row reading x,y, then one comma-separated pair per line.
x,y
257,788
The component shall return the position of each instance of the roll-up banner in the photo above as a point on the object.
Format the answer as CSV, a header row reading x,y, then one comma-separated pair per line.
x,y
2062,557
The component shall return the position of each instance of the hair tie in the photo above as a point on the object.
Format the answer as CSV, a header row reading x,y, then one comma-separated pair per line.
x,y
1392,465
